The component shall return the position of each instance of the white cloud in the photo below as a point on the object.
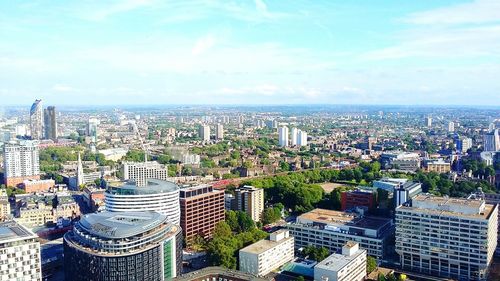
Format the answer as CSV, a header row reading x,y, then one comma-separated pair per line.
x,y
203,44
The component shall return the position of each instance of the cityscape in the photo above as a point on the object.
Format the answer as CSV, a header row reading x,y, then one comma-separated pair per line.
x,y
249,141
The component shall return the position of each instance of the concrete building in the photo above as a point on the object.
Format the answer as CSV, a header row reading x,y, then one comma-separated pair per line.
x,y
31,186
294,137
333,229
451,127
302,138
21,162
157,195
123,246
204,132
4,206
202,207
250,200
141,172
492,141
348,266
93,129
50,123
358,198
404,193
428,121
36,120
407,161
389,184
191,159
264,256
447,237
219,273
439,166
19,253
463,144
219,132
283,136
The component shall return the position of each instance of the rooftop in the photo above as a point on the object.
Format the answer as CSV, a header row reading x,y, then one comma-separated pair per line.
x,y
218,272
153,186
116,225
12,230
262,246
338,261
330,217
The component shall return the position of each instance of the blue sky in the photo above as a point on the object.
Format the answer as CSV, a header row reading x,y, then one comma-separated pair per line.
x,y
250,52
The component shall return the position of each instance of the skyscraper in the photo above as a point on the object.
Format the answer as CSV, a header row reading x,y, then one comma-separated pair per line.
x,y
36,120
204,132
250,200
294,136
428,120
219,132
302,138
50,123
92,128
283,136
492,141
21,162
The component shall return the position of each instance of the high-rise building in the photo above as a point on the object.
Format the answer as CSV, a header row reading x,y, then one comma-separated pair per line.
x,y
93,128
140,172
219,132
451,127
492,141
50,123
204,132
447,237
302,138
202,207
294,137
4,206
250,200
19,253
463,144
157,195
283,136
349,265
428,121
264,256
36,120
123,246
21,162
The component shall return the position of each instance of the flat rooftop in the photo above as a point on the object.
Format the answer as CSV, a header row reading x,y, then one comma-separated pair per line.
x,y
12,230
262,246
208,273
330,217
153,186
338,261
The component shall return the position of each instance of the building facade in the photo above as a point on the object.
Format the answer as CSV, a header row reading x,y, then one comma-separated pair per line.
x,y
202,207
31,186
447,237
19,253
157,195
21,162
491,141
357,198
250,200
36,120
219,132
50,123
350,265
141,172
204,132
123,246
283,136
264,256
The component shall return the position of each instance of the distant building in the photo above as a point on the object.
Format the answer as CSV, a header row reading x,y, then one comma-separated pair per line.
x,y
21,162
42,209
219,273
389,184
405,192
50,123
264,256
219,132
302,138
348,266
406,161
333,229
294,137
36,120
157,195
428,121
204,132
451,127
19,253
439,166
283,136
31,186
4,206
447,237
492,141
123,246
93,129
358,198
141,172
191,159
202,207
250,200
463,144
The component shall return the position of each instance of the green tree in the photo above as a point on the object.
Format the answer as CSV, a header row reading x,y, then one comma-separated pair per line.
x,y
371,264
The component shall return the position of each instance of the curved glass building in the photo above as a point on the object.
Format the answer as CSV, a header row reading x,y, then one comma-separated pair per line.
x,y
158,195
123,246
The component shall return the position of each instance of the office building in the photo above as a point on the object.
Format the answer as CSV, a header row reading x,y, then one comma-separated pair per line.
x,y
19,253
358,198
264,256
283,136
50,123
93,128
492,141
36,120
294,137
333,229
157,195
348,266
389,184
123,246
406,161
204,132
447,237
219,132
250,200
140,172
21,162
451,127
492,199
202,207
439,166
405,192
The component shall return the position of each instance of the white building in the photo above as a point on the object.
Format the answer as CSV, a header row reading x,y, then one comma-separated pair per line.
x,y
93,128
302,138
36,120
21,161
348,266
428,120
204,132
294,137
447,237
492,141
451,127
19,253
283,136
250,200
389,184
219,132
264,256
140,172
191,159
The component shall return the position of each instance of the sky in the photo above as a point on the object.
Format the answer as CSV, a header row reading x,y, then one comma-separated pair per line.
x,y
147,52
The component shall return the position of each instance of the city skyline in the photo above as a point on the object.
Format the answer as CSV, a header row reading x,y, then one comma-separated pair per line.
x,y
255,52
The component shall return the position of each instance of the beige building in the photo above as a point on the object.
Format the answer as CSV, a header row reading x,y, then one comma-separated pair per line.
x,y
140,172
250,200
447,237
4,205
438,166
348,266
264,256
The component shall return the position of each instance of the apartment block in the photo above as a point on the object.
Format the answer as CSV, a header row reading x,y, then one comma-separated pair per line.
x,y
21,162
350,265
140,172
250,200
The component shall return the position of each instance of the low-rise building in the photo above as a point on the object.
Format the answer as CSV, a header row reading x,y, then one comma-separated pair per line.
x,y
358,198
31,186
348,266
264,256
40,209
94,197
439,166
